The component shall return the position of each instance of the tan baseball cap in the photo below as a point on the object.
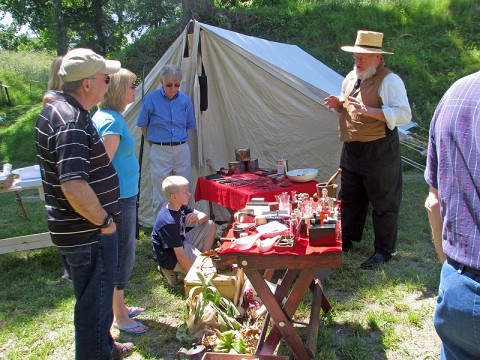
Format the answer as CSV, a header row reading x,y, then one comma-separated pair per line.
x,y
80,64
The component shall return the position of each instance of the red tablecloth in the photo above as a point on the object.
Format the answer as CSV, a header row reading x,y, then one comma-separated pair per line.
x,y
236,197
301,247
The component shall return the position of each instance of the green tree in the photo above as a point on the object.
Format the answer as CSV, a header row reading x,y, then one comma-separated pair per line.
x,y
101,25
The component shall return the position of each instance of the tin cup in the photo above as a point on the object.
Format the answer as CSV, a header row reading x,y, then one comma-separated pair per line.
x,y
242,154
238,167
252,165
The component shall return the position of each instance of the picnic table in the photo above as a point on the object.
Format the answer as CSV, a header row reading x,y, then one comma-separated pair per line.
x,y
26,242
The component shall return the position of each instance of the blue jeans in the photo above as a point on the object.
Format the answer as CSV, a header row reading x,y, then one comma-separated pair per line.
x,y
92,269
126,226
457,315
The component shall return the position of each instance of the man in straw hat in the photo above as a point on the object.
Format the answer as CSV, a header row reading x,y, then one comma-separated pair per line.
x,y
373,102
82,194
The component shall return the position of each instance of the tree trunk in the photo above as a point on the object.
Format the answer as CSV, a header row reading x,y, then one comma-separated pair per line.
x,y
187,11
102,41
194,9
62,46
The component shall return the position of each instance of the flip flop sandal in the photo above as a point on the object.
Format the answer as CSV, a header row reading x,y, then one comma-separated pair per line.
x,y
120,350
135,311
136,329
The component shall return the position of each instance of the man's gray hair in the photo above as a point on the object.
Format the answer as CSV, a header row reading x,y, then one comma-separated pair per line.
x,y
171,71
71,86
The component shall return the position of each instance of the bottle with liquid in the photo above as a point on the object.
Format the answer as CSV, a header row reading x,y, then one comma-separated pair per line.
x,y
338,229
301,230
282,166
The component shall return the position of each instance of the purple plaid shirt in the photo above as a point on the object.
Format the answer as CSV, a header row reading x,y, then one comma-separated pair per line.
x,y
453,167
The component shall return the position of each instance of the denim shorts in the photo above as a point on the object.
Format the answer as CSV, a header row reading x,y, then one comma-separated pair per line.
x,y
126,226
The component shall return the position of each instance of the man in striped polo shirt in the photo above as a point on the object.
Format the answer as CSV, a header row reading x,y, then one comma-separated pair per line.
x,y
81,194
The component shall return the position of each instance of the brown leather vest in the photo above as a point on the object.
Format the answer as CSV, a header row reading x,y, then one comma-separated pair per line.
x,y
355,127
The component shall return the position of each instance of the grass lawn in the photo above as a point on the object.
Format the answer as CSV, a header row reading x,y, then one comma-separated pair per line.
x,y
382,314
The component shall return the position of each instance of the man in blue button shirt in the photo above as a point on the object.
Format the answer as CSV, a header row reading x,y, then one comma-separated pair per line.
x,y
165,117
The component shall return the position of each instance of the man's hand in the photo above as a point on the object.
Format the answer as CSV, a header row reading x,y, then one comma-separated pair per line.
x,y
362,109
333,102
359,106
432,204
109,230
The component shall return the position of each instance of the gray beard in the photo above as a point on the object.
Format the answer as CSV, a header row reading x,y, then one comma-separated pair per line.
x,y
365,74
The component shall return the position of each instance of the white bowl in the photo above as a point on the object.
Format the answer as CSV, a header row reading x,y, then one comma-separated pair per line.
x,y
271,229
244,243
302,175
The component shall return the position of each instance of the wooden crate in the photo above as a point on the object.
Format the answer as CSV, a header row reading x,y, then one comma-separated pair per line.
x,y
5,184
220,356
229,284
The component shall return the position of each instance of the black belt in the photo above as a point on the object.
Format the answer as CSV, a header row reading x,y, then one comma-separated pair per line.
x,y
457,265
170,143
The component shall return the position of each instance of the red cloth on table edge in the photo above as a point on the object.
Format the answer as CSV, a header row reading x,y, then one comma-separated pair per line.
x,y
236,197
300,248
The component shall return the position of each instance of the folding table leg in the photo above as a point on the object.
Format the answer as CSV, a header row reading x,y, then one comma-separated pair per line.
x,y
314,322
282,321
20,204
281,291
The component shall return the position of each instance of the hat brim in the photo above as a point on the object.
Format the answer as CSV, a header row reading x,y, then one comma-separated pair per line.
x,y
364,50
111,67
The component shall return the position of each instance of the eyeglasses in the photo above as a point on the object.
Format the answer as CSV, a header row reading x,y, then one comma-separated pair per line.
x,y
106,80
171,85
361,59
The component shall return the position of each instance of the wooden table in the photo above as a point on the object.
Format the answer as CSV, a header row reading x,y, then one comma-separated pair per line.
x,y
26,242
17,187
236,197
299,274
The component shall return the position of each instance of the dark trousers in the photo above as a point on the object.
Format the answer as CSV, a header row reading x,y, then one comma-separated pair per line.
x,y
371,173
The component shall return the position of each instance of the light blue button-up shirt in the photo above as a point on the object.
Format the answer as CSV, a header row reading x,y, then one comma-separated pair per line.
x,y
166,120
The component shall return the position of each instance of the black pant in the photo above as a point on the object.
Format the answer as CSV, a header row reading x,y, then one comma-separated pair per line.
x,y
371,172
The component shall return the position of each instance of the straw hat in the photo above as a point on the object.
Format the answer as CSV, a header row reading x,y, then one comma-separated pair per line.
x,y
368,42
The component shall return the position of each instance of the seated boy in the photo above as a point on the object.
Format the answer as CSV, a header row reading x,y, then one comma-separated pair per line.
x,y
175,249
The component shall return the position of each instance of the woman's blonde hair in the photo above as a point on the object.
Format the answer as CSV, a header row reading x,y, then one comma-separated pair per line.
x,y
54,80
116,94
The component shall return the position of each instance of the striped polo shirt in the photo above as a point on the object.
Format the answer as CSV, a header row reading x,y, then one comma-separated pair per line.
x,y
69,148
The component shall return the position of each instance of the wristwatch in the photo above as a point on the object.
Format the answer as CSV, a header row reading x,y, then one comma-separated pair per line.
x,y
107,222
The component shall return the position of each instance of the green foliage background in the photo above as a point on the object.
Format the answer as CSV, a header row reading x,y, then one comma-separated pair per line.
x,y
435,42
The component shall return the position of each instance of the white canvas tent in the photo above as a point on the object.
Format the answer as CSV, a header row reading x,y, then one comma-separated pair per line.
x,y
262,95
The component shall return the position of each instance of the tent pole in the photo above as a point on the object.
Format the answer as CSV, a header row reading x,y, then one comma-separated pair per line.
x,y
140,160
